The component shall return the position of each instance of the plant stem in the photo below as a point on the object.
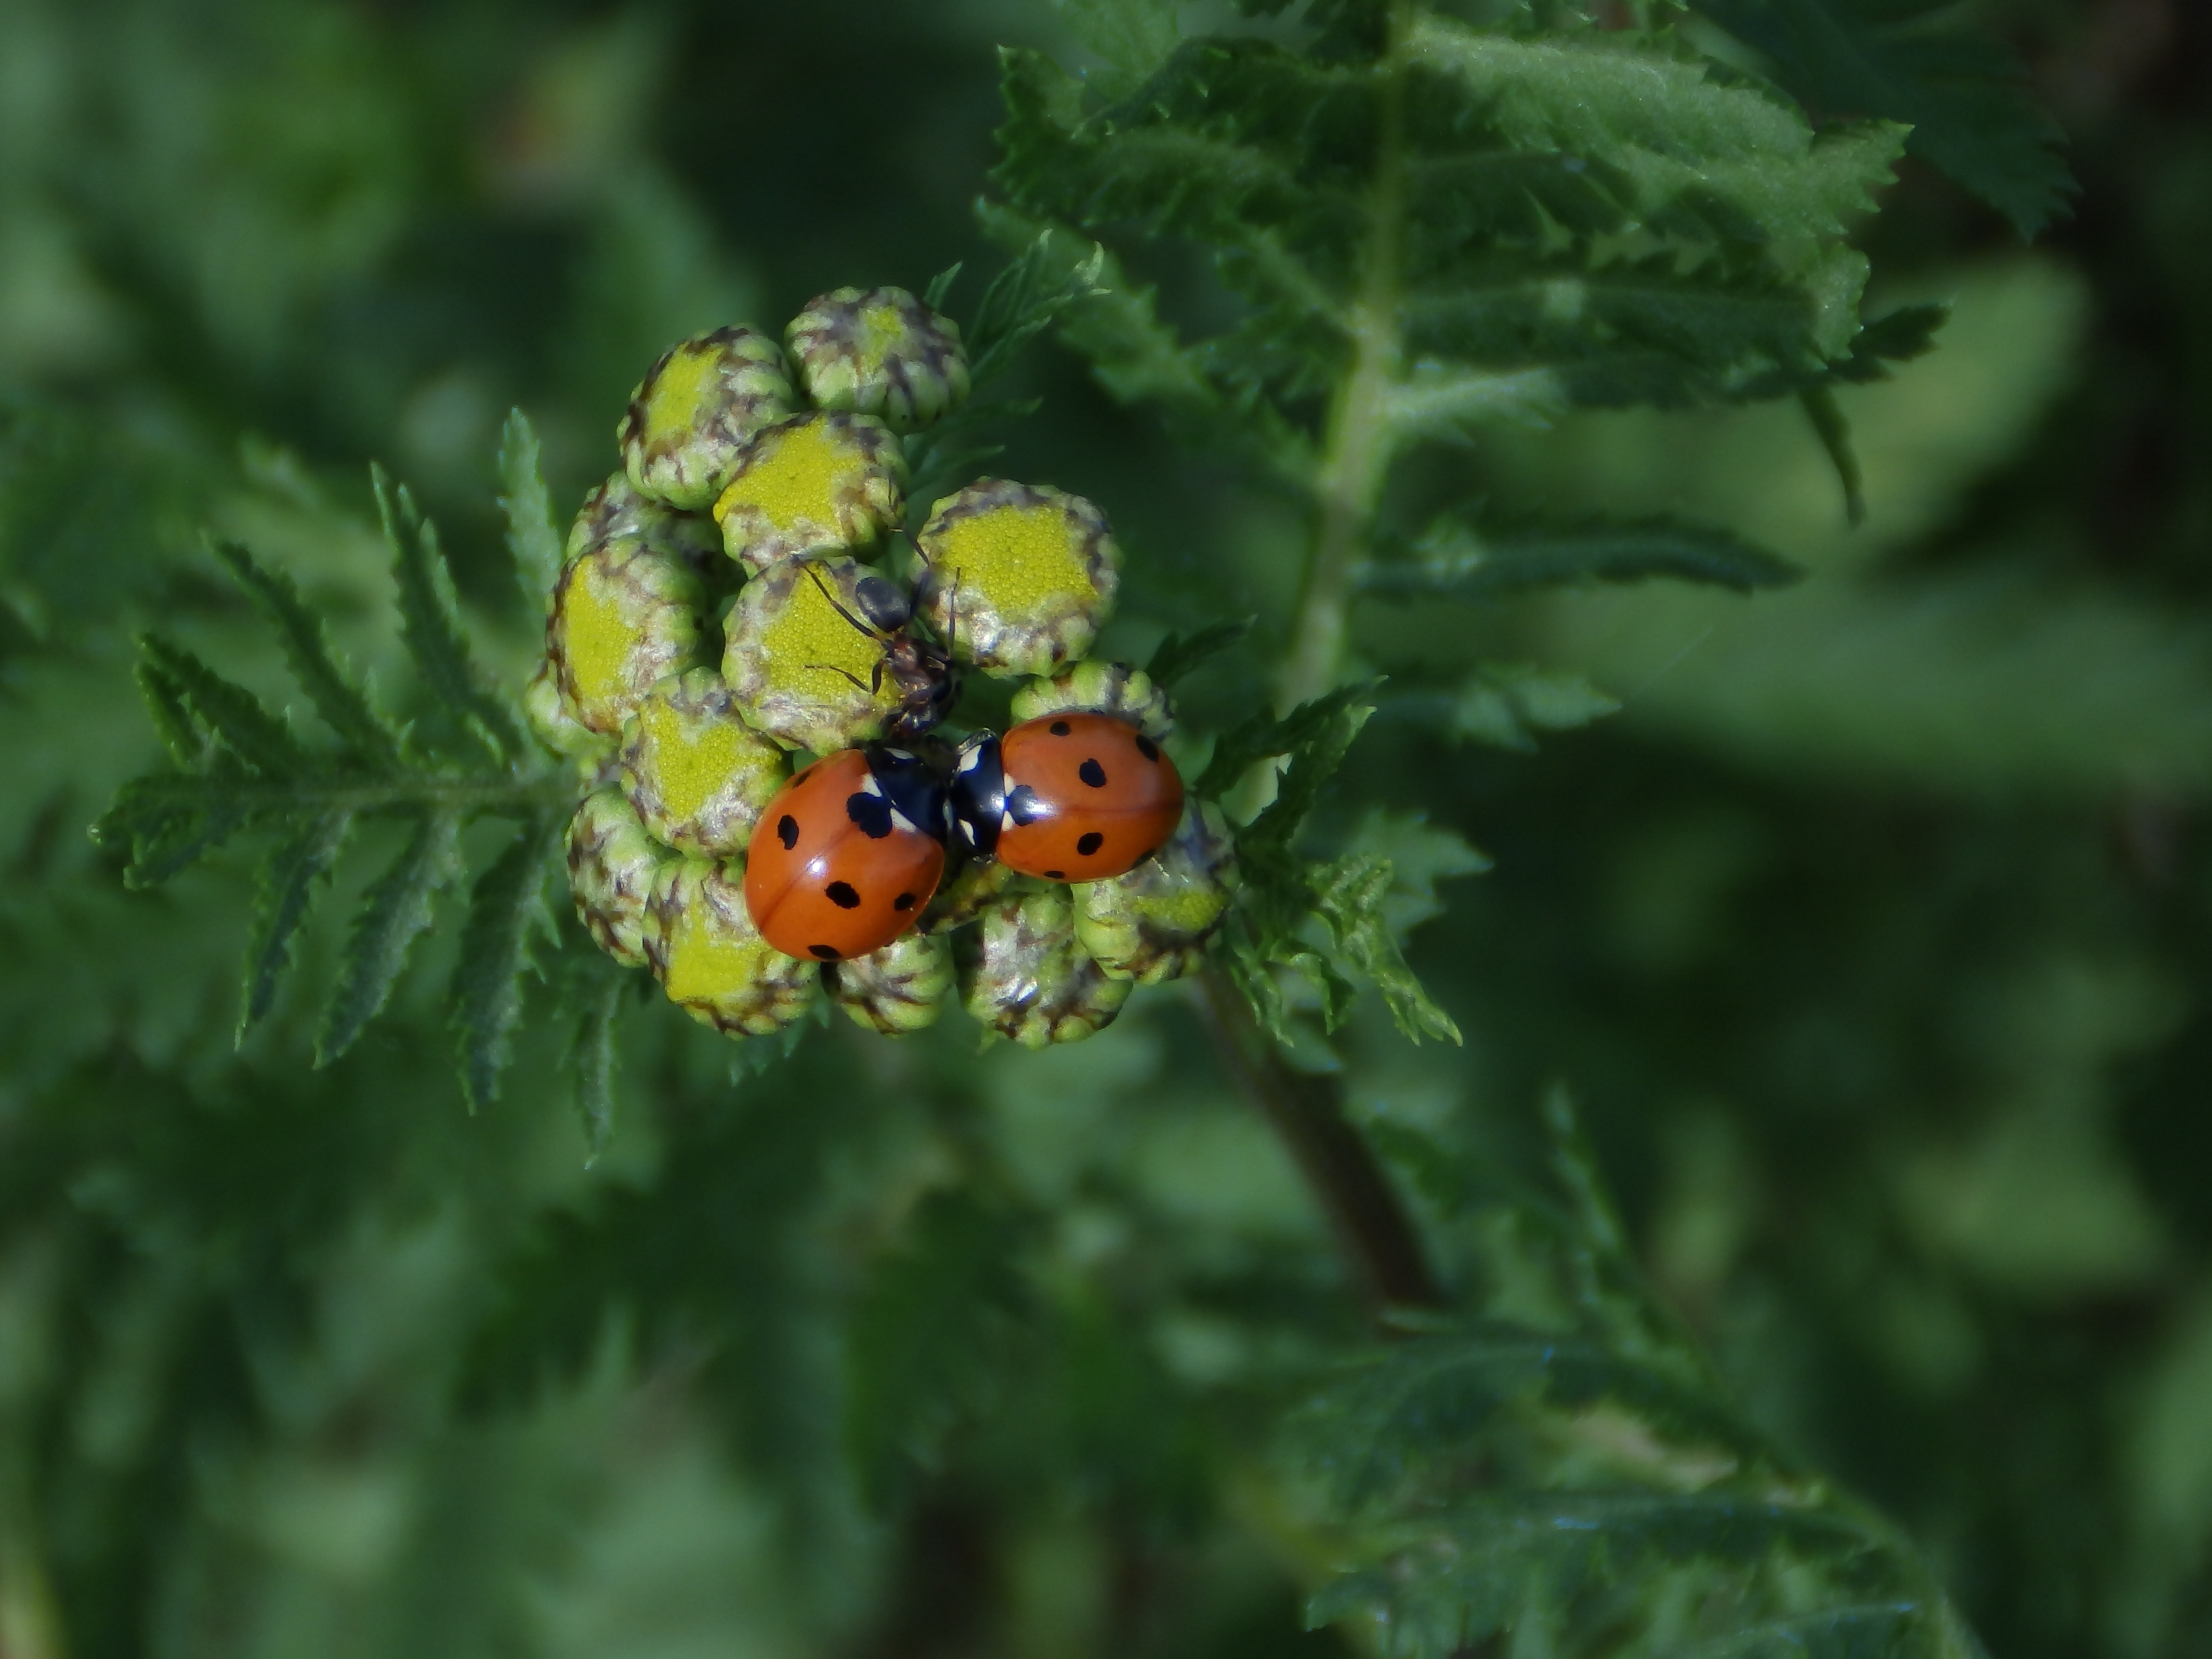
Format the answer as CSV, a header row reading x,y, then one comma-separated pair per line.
x,y
1308,1112
1361,439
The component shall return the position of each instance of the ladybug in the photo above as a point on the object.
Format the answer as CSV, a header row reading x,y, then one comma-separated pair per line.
x,y
922,675
848,853
1068,797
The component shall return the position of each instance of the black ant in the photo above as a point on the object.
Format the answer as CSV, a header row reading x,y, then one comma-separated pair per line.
x,y
923,675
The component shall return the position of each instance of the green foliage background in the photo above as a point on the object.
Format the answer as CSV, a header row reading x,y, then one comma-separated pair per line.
x,y
1866,919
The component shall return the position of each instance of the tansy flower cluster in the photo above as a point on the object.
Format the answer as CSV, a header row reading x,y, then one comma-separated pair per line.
x,y
748,661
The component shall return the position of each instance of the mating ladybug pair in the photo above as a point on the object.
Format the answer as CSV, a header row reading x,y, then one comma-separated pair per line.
x,y
846,856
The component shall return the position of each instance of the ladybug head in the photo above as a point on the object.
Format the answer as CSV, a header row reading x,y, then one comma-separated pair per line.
x,y
978,791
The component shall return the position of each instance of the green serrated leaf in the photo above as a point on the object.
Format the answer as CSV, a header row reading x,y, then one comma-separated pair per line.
x,y
300,861
1031,292
430,623
1179,655
591,1054
1456,559
506,911
940,286
1420,854
1263,737
1575,1161
1458,1578
1133,36
1961,92
172,721
1315,756
344,706
1350,896
1138,359
532,536
396,910
226,711
1684,150
1833,430
166,823
1507,704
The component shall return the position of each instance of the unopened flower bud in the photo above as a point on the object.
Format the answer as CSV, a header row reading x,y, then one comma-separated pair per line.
x,y
1153,924
1091,687
798,670
696,408
879,351
615,508
613,864
711,961
697,774
899,989
974,889
814,485
624,617
559,729
1032,982
1017,578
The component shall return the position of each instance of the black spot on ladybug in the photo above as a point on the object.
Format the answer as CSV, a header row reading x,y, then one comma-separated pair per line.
x,y
1148,748
871,812
1092,773
1090,842
841,894
903,901
1056,875
1023,805
1061,728
787,831
827,952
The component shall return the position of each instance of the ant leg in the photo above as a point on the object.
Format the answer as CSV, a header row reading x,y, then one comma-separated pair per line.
x,y
838,607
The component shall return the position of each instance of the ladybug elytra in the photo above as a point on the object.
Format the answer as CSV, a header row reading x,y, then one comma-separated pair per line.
x,y
848,853
1069,797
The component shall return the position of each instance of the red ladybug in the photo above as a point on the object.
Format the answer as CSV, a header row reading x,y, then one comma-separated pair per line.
x,y
1068,797
848,853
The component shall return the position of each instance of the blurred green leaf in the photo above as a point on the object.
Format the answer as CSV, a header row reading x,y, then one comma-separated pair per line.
x,y
1961,94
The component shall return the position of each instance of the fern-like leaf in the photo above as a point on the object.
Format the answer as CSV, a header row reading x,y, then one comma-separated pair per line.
x,y
430,622
344,705
226,714
532,538
1350,896
1963,95
1179,654
507,909
1459,558
235,764
301,862
597,992
396,910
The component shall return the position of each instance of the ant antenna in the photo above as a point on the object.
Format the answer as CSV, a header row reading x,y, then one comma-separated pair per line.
x,y
835,606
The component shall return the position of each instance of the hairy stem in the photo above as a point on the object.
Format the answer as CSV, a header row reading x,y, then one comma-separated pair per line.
x,y
1307,1111
1361,438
